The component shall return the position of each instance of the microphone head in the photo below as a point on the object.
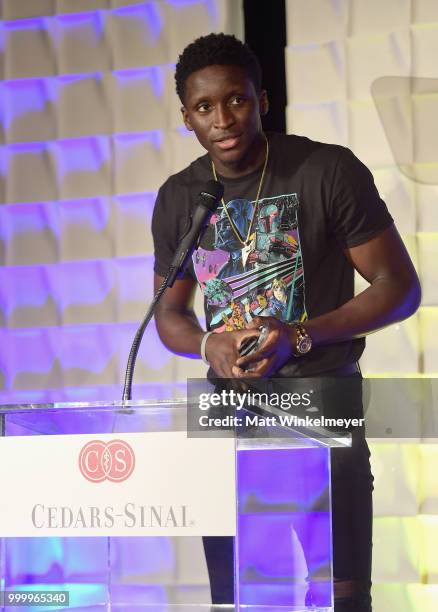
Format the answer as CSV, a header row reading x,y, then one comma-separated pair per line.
x,y
212,194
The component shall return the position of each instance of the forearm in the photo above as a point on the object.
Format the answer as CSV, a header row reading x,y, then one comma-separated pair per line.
x,y
384,302
180,331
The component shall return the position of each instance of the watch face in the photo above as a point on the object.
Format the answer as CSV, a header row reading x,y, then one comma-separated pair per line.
x,y
304,345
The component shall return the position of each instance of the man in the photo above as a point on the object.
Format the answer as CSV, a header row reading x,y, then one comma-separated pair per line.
x,y
296,214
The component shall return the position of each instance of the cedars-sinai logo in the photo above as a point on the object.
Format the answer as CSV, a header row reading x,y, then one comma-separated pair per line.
x,y
114,461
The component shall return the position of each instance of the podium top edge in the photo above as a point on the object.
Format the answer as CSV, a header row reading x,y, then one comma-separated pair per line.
x,y
110,405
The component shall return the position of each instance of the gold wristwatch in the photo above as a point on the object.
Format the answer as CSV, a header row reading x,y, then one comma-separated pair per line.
x,y
303,341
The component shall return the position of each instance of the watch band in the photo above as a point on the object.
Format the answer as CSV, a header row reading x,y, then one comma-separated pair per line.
x,y
203,343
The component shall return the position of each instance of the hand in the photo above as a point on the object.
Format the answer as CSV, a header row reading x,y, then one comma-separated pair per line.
x,y
222,349
273,353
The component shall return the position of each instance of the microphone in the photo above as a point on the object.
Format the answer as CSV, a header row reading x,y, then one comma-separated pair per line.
x,y
206,205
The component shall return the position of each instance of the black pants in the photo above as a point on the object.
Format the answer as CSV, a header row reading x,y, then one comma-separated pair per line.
x,y
352,486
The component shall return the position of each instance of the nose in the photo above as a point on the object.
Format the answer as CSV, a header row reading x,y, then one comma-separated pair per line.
x,y
223,116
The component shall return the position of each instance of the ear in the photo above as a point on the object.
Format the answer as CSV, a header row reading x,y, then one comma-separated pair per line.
x,y
263,103
185,116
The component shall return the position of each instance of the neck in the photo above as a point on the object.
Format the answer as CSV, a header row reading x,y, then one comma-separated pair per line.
x,y
251,161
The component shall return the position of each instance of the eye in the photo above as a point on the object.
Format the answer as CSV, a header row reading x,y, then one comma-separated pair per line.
x,y
204,107
236,100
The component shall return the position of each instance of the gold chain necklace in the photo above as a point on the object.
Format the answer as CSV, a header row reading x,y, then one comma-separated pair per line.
x,y
247,242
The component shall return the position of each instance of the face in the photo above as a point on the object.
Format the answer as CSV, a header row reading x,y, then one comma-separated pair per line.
x,y
263,302
223,108
279,293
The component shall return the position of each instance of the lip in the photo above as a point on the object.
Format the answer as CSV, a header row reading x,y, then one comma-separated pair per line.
x,y
229,142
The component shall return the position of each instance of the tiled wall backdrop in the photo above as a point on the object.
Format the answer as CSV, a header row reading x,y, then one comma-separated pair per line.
x,y
336,50
90,127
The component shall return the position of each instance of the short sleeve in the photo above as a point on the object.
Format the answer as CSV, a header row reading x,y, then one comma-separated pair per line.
x,y
164,232
168,221
356,212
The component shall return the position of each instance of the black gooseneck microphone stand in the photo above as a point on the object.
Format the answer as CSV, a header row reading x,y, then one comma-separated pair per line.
x,y
129,375
206,206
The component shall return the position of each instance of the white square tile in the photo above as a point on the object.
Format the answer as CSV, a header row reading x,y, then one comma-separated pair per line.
x,y
424,49
425,126
426,173
184,148
326,122
174,115
373,16
428,269
429,558
86,229
36,162
392,97
87,292
137,35
367,137
80,6
424,11
134,287
394,349
141,161
428,484
133,236
84,556
396,554
427,200
31,294
396,470
369,58
429,332
316,73
118,3
88,355
32,362
11,9
191,564
399,194
393,596
155,363
153,560
139,99
316,21
189,368
83,45
396,408
29,107
84,167
4,161
29,38
84,105
184,22
2,49
30,233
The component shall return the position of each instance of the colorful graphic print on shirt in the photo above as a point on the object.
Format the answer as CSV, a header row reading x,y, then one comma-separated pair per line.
x,y
264,279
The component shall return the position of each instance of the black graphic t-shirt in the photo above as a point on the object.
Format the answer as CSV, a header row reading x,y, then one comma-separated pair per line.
x,y
316,201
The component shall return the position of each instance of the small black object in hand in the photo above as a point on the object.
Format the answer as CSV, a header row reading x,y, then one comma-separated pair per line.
x,y
250,345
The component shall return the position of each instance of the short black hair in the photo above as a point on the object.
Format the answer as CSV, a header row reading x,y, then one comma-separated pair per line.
x,y
216,49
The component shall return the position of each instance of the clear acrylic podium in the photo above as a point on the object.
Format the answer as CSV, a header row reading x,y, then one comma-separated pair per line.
x,y
282,547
